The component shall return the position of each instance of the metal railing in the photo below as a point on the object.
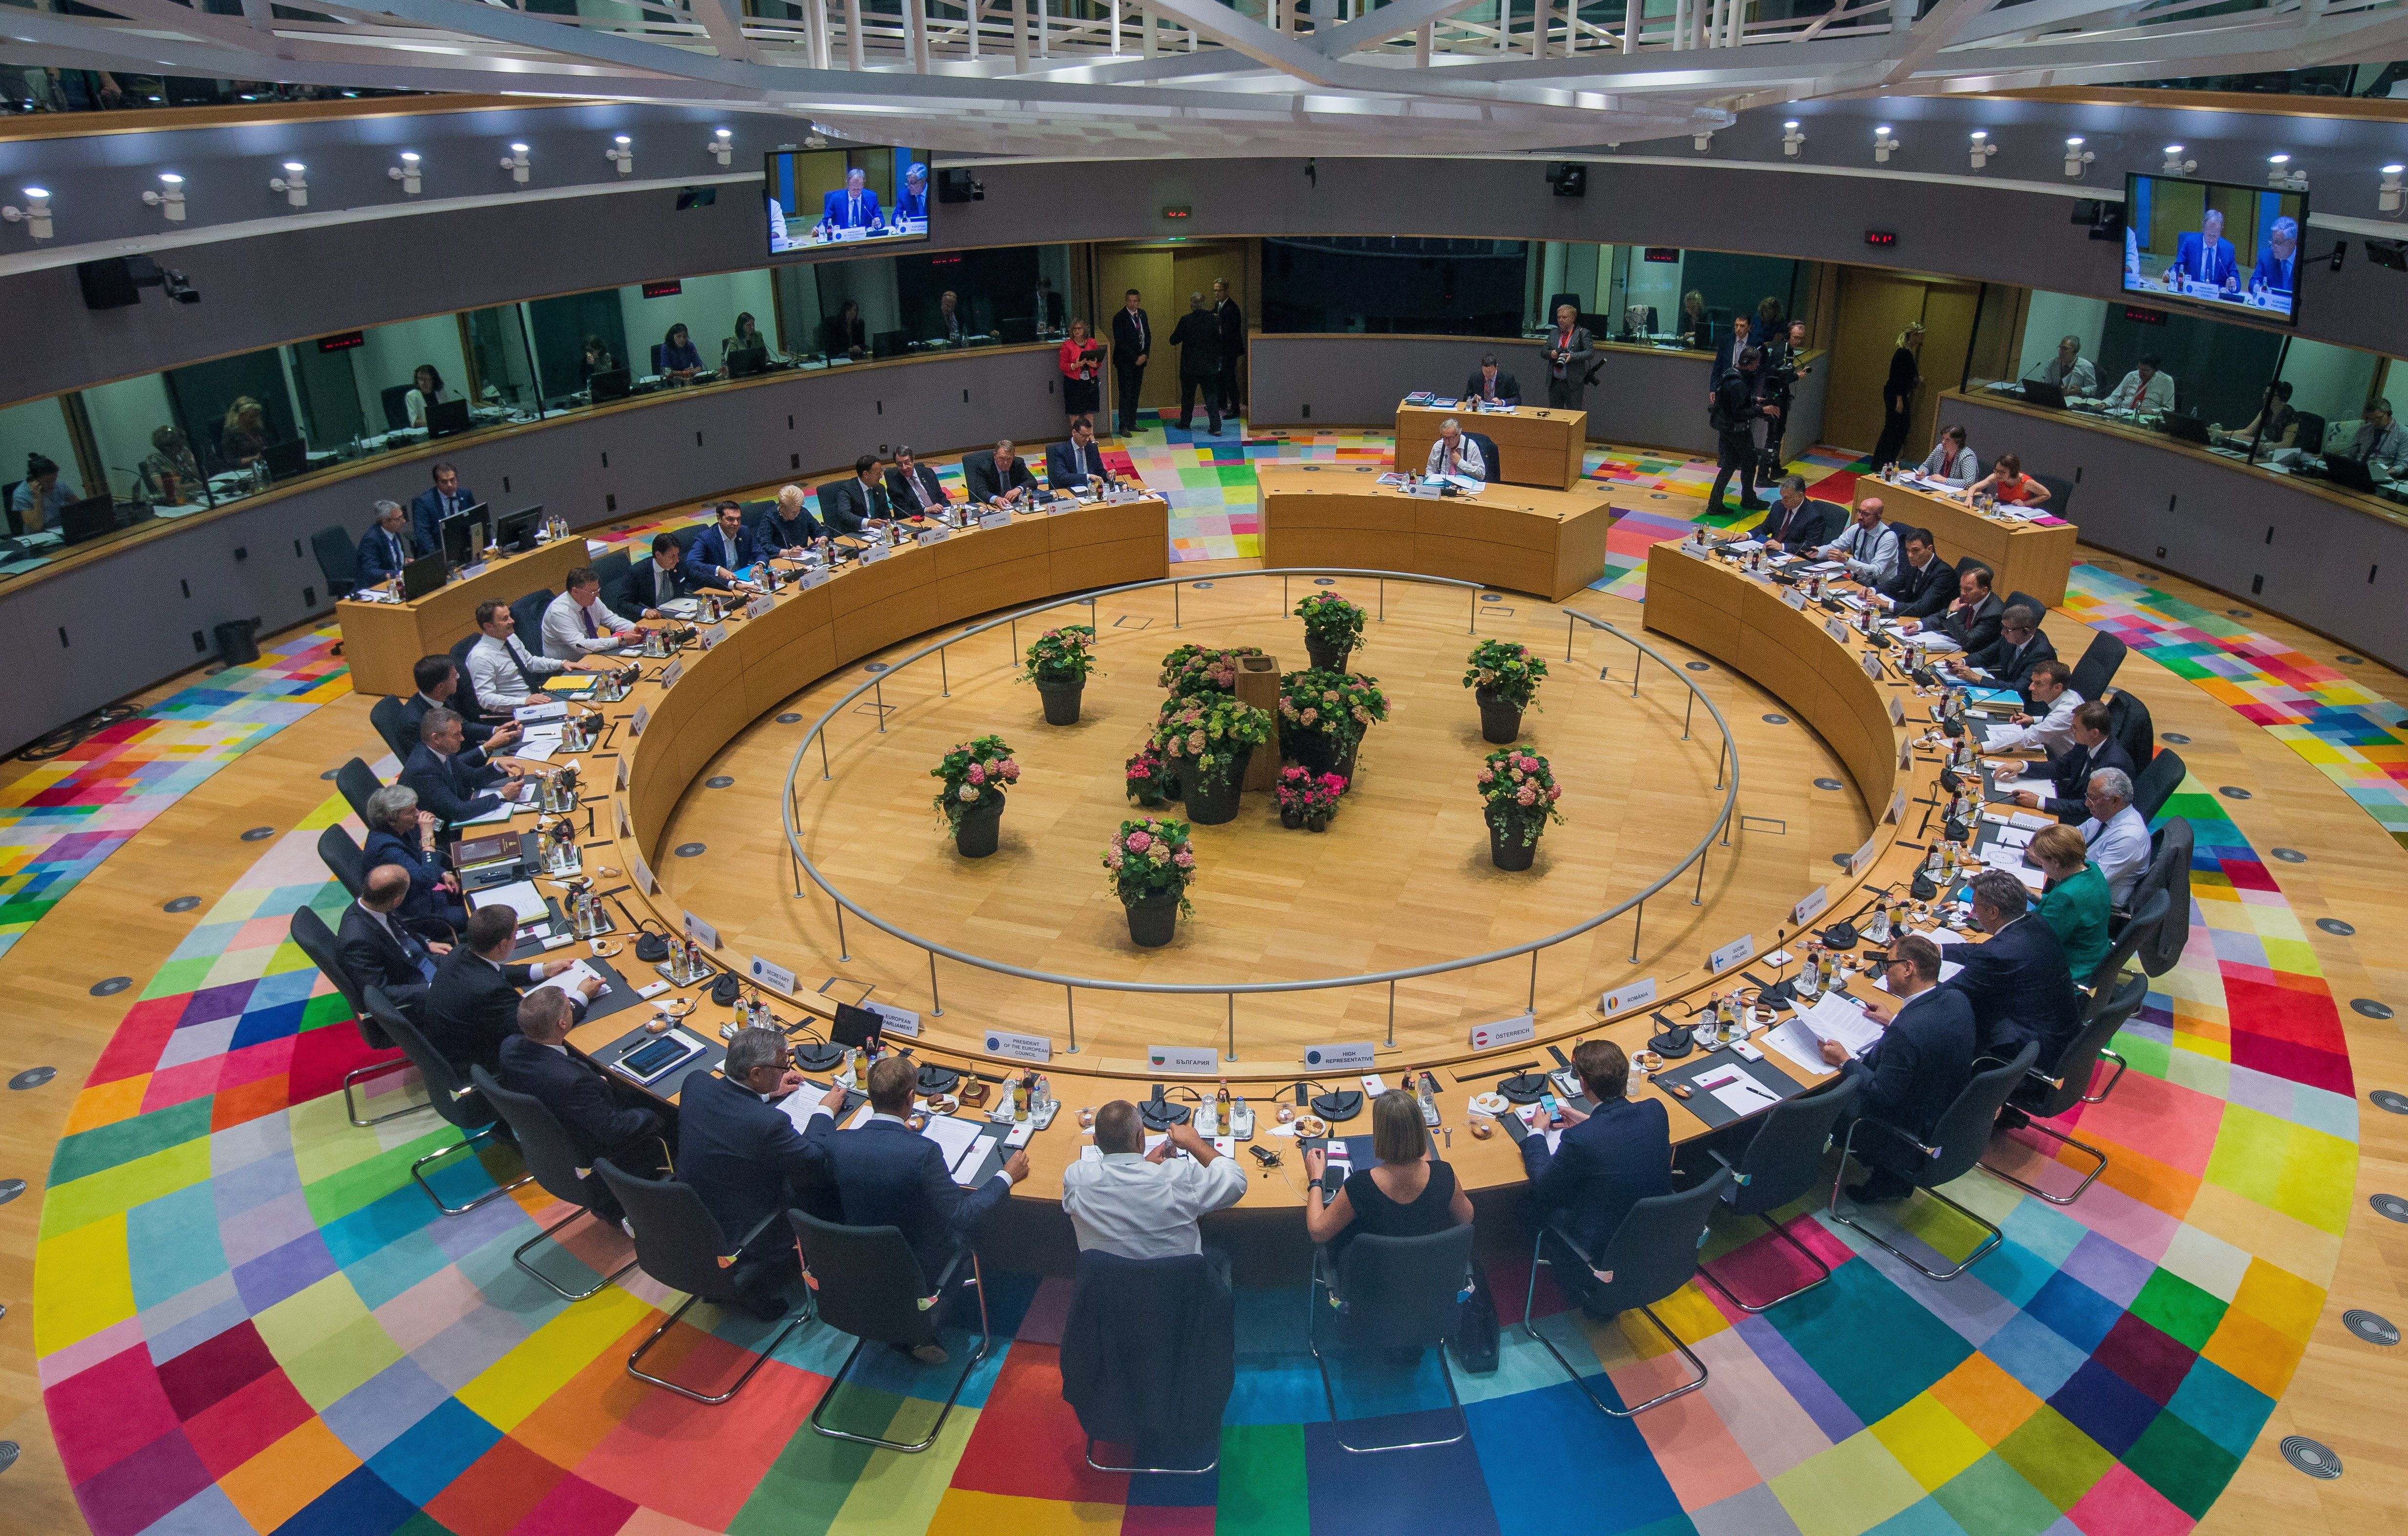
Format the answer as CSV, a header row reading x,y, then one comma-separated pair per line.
x,y
1725,779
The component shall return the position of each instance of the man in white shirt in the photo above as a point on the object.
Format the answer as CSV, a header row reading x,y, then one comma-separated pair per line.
x,y
1453,453
1870,546
2116,837
501,670
1145,1204
2051,732
2145,390
575,623
2070,371
2380,444
1951,462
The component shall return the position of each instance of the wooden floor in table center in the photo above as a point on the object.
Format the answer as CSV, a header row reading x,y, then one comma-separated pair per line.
x,y
1401,878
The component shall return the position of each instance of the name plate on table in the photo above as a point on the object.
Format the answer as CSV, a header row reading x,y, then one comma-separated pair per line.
x,y
1511,1031
1183,1058
1810,907
777,978
1623,998
1019,1047
1897,711
673,671
619,806
701,932
1795,597
1696,551
643,872
1905,752
759,606
816,577
900,1021
995,520
1863,857
874,553
622,785
711,635
1874,667
1354,1056
642,717
1837,629
1736,950
1896,811
932,535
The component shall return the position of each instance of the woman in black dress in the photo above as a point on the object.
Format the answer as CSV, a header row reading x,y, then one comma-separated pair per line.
x,y
1408,1193
1898,395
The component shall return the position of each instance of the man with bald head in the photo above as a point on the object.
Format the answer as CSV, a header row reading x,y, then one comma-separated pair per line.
x,y
1142,1204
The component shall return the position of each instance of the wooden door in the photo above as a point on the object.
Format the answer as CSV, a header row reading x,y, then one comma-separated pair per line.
x,y
1949,313
1147,269
1193,270
1874,307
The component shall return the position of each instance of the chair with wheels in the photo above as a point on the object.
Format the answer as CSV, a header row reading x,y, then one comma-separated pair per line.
x,y
866,1281
1650,1255
453,1099
1393,1294
344,860
2071,1085
552,1160
2095,672
317,941
2158,782
678,1243
1778,1165
1148,1358
338,559
386,714
1955,1147
357,781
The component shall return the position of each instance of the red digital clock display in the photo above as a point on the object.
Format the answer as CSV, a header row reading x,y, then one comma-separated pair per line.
x,y
1881,236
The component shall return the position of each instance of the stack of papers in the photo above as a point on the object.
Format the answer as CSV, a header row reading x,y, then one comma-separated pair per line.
x,y
1738,1091
2002,737
1832,1018
569,980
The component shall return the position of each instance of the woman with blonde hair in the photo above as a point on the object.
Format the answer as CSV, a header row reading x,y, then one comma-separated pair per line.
x,y
1408,1193
242,437
1696,331
1898,395
2078,904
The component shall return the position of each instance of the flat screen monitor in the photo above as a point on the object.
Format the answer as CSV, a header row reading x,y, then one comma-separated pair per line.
x,y
609,384
446,417
420,577
285,459
80,521
823,199
516,530
2214,244
459,541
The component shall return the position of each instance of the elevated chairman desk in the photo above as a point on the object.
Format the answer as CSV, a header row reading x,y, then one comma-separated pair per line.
x,y
1550,542
383,641
2027,557
1535,446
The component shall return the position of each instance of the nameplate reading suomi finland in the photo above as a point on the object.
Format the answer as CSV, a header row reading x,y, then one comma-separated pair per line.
x,y
1862,858
995,520
1354,1056
1740,948
1636,994
1809,906
1019,1047
1183,1058
701,932
1511,1031
644,717
900,1021
1795,597
673,671
777,978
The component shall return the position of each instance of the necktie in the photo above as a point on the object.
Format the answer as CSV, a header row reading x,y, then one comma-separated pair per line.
x,y
519,660
587,615
411,946
855,216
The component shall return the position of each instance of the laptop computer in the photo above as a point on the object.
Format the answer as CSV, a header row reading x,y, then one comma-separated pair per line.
x,y
609,384
80,521
2349,474
2038,394
446,417
745,361
422,576
2189,429
285,459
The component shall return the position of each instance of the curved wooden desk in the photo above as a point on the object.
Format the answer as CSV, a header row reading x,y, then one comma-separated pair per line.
x,y
1535,446
2027,557
1550,542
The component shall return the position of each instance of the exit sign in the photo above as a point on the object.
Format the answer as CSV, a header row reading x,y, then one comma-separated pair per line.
x,y
1663,253
344,343
663,289
1177,210
1881,236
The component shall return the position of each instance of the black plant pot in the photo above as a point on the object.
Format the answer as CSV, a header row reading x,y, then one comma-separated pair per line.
x,y
976,830
1182,778
1499,721
1061,701
1213,802
1314,750
1291,818
1326,658
1153,921
1506,849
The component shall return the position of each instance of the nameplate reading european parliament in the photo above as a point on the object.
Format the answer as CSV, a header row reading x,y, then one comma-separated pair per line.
x,y
1511,1031
995,520
898,1021
1740,948
1810,906
1183,1058
701,932
1354,1056
777,978
1020,1047
1636,994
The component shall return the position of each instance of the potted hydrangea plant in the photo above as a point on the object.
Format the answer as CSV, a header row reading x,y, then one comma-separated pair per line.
x,y
1211,738
1504,678
1059,662
1150,863
1332,627
1518,794
974,776
1325,715
1191,669
1150,779
1308,799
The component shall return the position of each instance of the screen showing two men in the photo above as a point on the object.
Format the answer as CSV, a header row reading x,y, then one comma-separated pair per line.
x,y
2214,243
819,198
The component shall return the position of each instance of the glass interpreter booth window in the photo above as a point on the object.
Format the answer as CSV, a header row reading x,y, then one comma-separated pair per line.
x,y
1381,285
1665,294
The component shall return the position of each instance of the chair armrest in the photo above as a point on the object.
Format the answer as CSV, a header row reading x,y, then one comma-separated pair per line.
x,y
1737,1177
1567,1241
945,1276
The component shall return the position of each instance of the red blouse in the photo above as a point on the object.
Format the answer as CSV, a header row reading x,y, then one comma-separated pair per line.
x,y
1079,358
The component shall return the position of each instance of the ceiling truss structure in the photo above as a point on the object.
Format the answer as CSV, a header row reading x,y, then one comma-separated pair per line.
x,y
1157,78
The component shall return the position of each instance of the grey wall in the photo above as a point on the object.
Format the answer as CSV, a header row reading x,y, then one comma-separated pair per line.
x,y
124,622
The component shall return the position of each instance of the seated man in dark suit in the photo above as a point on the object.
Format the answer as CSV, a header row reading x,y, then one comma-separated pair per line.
x,y
1490,382
535,1061
720,551
1078,464
472,1005
438,680
429,508
998,478
386,547
377,949
2018,982
403,836
1914,1072
887,1174
912,488
1797,523
744,1159
452,779
662,579
2008,661
1607,1161
851,506
2093,749
1971,618
1924,583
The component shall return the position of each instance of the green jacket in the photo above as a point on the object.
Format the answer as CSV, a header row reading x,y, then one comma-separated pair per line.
x,y
2075,910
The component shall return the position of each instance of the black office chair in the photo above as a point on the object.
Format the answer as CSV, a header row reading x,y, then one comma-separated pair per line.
x,y
315,940
344,860
2068,1083
1778,1165
2133,932
889,343
357,781
1133,1382
2033,603
2171,846
338,559
2129,723
2060,496
552,1161
8,508
386,716
2095,672
679,1244
1393,1294
2310,438
868,1281
528,612
1650,1255
463,698
613,569
1957,1145
687,536
660,349
454,1100
1491,465
395,399
2158,782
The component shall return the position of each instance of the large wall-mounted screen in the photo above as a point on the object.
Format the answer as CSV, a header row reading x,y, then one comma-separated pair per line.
x,y
819,198
2231,247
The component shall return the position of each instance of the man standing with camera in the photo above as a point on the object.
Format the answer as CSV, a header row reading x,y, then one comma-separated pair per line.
x,y
1781,372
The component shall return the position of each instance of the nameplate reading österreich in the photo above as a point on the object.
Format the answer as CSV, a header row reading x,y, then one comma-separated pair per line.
x,y
1511,1031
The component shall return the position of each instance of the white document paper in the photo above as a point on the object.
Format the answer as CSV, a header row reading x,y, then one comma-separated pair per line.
x,y
568,980
2000,737
2044,788
1835,1018
1792,1038
1530,1112
519,896
1738,1091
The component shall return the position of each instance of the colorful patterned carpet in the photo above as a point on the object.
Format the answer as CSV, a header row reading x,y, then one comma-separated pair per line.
x,y
248,1320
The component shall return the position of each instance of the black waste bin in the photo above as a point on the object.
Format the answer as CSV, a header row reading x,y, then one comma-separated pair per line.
x,y
236,646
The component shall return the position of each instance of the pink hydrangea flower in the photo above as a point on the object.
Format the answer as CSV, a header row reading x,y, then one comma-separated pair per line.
x,y
1527,795
1112,857
1554,792
1487,775
977,775
1140,842
1010,770
1185,858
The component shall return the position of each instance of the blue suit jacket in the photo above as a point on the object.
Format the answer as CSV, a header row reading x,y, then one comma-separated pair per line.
x,y
1601,1168
1921,1063
426,515
382,554
2216,266
2273,272
2020,988
836,204
740,1155
452,791
710,549
911,205
425,900
887,1174
578,1096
